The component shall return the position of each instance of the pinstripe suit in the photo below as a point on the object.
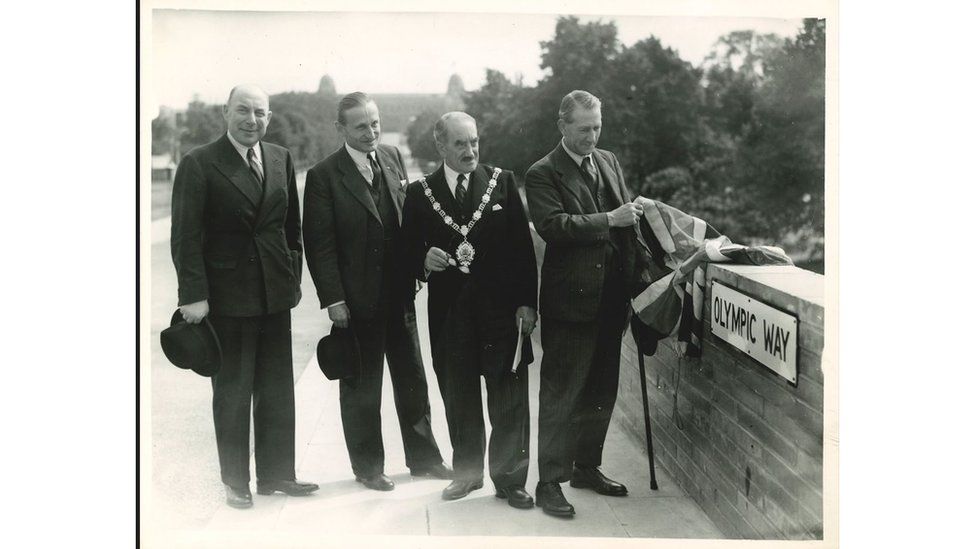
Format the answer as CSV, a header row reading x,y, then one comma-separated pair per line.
x,y
583,306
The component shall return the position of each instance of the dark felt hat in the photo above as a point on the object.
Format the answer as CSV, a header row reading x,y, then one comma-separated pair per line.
x,y
191,346
338,354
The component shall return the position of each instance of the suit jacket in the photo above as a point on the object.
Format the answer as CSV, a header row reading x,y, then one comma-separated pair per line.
x,y
576,233
232,244
503,274
344,232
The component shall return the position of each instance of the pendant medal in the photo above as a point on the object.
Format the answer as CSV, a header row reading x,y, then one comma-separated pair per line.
x,y
465,250
465,255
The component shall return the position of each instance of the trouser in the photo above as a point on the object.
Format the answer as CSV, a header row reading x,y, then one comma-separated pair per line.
x,y
578,389
458,356
393,335
257,364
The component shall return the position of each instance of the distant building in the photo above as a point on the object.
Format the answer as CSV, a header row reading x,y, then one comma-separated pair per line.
x,y
454,101
163,167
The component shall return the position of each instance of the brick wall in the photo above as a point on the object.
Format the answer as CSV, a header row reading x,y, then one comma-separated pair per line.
x,y
741,440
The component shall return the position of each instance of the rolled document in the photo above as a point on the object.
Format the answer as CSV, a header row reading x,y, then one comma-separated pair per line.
x,y
518,349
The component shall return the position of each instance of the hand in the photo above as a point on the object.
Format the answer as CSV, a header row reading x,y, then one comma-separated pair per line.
x,y
194,312
339,314
436,260
625,215
528,317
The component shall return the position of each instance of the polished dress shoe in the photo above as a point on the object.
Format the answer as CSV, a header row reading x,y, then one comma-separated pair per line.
x,y
239,498
379,482
290,487
516,495
592,478
433,471
549,496
460,488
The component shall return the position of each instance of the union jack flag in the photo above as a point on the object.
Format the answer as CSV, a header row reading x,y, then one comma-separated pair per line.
x,y
671,290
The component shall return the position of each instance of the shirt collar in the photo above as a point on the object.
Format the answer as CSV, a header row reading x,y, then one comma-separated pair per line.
x,y
242,150
576,158
452,175
359,157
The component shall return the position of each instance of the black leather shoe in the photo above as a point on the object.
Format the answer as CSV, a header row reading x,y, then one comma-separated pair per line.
x,y
516,495
291,487
460,488
439,470
379,482
549,496
592,478
239,498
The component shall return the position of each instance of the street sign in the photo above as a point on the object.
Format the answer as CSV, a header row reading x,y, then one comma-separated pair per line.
x,y
766,334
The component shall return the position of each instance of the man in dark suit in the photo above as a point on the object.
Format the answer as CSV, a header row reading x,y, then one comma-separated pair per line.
x,y
581,208
353,208
467,234
236,245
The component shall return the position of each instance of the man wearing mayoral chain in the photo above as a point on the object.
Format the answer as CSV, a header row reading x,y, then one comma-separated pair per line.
x,y
466,233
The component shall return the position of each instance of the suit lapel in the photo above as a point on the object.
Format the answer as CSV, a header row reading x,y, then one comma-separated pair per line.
x,y
355,184
442,194
476,189
274,179
571,178
609,177
237,172
392,180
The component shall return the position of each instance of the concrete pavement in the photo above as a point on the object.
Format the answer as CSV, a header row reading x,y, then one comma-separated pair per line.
x,y
415,507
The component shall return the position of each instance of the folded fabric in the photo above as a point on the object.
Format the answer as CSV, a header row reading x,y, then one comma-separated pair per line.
x,y
671,291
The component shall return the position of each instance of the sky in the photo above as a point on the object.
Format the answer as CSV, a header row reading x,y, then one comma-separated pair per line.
x,y
205,53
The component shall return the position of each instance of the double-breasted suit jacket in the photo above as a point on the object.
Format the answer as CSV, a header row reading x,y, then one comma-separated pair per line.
x,y
233,244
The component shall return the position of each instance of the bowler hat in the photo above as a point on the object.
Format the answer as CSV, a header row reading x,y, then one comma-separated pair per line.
x,y
191,346
338,354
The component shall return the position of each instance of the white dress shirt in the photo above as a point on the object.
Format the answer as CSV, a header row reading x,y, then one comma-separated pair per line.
x,y
362,162
242,150
452,181
577,158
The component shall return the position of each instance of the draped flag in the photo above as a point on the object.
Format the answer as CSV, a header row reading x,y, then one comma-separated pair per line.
x,y
672,287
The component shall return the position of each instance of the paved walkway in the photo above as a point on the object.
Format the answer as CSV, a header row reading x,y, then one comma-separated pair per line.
x,y
415,507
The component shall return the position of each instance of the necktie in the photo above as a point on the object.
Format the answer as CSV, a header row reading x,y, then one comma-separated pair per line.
x,y
377,177
589,177
459,191
252,162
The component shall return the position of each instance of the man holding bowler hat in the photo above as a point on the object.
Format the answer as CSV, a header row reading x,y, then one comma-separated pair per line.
x,y
353,206
236,246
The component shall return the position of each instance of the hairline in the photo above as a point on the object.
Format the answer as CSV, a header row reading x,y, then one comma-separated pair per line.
x,y
440,127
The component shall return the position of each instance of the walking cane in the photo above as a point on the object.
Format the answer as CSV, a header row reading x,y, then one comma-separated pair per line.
x,y
647,415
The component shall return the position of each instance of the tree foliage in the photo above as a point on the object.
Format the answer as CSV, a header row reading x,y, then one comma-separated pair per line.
x,y
737,141
420,136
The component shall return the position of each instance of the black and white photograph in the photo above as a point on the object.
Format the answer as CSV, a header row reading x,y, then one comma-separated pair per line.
x,y
496,274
